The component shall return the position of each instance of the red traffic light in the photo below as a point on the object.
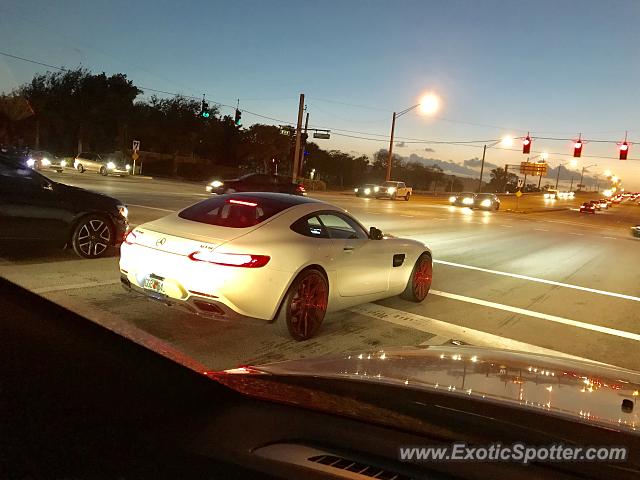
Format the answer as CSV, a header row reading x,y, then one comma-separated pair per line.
x,y
526,145
624,150
577,148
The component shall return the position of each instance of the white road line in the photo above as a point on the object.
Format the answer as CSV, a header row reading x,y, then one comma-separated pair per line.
x,y
150,208
541,230
507,226
543,316
60,288
445,330
408,216
578,234
541,280
611,238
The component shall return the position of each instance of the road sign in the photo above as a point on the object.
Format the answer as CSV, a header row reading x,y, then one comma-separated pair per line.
x,y
322,135
519,193
536,169
136,145
520,182
135,155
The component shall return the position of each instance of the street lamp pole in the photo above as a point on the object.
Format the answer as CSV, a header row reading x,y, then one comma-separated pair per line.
x,y
558,175
484,153
582,175
393,128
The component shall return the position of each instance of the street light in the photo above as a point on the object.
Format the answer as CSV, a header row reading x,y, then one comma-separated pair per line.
x,y
506,141
429,105
582,174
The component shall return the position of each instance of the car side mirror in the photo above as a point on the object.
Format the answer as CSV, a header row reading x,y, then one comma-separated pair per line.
x,y
375,233
46,185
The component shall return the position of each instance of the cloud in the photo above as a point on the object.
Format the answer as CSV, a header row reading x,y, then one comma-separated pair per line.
x,y
401,144
476,162
429,149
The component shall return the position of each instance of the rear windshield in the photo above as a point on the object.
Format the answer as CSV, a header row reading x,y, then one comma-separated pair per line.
x,y
233,212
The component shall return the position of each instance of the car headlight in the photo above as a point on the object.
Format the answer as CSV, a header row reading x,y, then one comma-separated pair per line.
x,y
216,183
376,189
208,188
467,200
111,165
486,202
391,189
452,198
367,191
31,162
127,167
123,210
46,162
355,190
63,163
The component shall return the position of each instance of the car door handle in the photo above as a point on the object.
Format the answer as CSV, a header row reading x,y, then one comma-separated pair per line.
x,y
349,249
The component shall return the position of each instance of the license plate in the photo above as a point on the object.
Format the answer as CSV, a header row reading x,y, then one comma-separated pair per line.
x,y
154,284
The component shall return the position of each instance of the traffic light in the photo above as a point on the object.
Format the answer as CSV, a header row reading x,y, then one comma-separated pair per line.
x,y
577,148
237,118
204,110
526,145
624,150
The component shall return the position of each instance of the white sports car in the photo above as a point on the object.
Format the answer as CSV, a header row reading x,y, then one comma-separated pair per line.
x,y
270,256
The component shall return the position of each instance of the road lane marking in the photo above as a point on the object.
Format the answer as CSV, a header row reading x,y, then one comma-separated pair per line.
x,y
445,330
542,316
541,280
150,208
60,288
611,238
408,216
578,234
507,226
541,230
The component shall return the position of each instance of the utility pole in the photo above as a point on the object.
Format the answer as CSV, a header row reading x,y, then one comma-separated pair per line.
x,y
506,178
484,152
571,187
304,145
558,176
296,153
581,178
389,160
539,182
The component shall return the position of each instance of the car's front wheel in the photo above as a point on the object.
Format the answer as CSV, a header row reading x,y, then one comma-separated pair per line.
x,y
407,196
304,306
419,282
80,168
103,171
92,236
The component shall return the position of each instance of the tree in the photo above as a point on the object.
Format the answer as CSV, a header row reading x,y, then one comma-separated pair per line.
x,y
502,180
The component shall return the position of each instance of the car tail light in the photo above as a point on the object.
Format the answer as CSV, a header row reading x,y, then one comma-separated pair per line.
x,y
231,259
130,238
300,188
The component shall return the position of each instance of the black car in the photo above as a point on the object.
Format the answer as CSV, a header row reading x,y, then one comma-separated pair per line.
x,y
36,209
486,201
464,199
366,190
256,182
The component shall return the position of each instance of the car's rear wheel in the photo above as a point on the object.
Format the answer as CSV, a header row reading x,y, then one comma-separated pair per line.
x,y
304,306
80,168
419,282
92,236
103,171
407,196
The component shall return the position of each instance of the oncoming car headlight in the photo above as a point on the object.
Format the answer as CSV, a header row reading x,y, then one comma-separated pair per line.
x,y
63,163
123,210
111,165
127,167
46,162
216,183
452,198
467,200
376,189
391,189
486,202
355,190
367,191
31,162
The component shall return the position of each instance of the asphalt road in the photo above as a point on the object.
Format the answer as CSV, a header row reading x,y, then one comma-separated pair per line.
x,y
554,281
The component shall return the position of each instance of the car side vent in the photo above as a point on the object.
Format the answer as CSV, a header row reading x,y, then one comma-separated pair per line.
x,y
357,467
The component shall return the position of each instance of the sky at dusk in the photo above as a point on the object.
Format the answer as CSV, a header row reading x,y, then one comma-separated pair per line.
x,y
552,68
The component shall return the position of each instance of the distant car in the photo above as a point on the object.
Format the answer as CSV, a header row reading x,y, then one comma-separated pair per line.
x,y
635,231
587,207
256,182
486,201
393,190
36,209
551,194
566,195
104,165
465,199
596,204
604,204
44,160
273,257
367,190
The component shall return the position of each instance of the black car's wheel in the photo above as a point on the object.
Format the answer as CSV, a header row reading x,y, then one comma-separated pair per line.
x,y
80,168
304,306
92,236
103,171
419,282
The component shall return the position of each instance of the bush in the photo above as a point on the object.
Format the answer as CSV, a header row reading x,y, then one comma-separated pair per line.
x,y
313,185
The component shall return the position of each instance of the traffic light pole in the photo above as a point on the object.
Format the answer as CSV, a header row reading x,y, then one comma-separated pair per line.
x,y
303,146
484,152
296,153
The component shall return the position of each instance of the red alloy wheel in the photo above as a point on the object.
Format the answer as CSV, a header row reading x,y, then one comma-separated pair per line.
x,y
422,277
308,306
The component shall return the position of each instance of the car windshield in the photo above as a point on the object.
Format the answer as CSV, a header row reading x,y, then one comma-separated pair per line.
x,y
254,182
